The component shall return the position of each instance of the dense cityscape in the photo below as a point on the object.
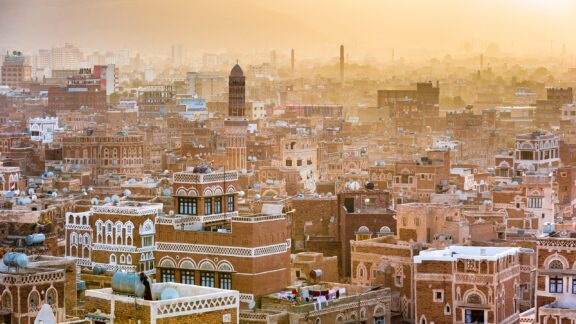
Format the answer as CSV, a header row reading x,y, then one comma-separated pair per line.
x,y
285,184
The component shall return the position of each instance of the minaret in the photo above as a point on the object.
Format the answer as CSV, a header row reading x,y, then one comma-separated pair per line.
x,y
342,65
236,123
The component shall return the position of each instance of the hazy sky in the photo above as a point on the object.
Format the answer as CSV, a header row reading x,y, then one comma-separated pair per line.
x,y
364,26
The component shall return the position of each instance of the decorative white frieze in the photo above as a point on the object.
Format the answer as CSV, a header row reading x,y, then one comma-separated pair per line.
x,y
242,252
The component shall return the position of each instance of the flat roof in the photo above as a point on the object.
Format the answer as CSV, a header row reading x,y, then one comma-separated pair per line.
x,y
455,252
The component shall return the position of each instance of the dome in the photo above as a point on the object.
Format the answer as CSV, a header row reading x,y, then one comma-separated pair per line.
x,y
237,71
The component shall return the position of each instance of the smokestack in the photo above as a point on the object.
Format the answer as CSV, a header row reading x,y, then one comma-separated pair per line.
x,y
342,64
292,60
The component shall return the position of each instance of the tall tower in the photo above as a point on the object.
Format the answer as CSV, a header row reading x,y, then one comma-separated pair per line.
x,y
292,60
342,64
236,123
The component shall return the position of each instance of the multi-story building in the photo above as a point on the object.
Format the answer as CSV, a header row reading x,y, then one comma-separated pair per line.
x,y
362,214
83,90
41,129
417,181
300,153
536,151
15,70
66,57
206,242
424,222
548,112
465,284
9,141
424,99
116,235
39,281
555,280
10,178
387,262
101,154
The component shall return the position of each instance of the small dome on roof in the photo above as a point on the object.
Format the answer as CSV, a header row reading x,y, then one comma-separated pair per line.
x,y
237,71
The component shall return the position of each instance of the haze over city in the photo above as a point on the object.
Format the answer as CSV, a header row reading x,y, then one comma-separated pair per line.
x,y
370,28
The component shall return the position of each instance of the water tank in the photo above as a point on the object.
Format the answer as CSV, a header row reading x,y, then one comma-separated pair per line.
x,y
13,259
169,293
98,270
34,239
167,192
128,284
316,274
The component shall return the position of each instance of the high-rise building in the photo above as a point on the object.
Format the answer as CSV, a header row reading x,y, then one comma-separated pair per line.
x,y
177,54
236,122
66,58
15,70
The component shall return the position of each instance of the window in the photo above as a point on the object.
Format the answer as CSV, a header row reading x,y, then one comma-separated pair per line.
x,y
555,264
555,284
230,203
187,277
187,206
379,320
534,202
225,280
574,285
147,240
167,275
438,295
218,205
207,206
288,163
207,279
112,259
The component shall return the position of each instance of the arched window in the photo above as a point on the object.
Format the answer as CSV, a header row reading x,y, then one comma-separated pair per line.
x,y
122,259
73,239
112,259
128,259
118,236
7,301
129,233
33,301
51,296
555,264
474,299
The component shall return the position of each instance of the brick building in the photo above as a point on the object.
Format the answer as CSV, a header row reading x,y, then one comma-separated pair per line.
x,y
207,242
387,262
555,280
44,280
120,154
115,235
463,284
15,71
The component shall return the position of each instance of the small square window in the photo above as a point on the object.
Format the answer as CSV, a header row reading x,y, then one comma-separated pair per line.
x,y
438,295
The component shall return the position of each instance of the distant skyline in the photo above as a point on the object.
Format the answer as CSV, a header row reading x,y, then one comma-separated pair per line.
x,y
367,27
